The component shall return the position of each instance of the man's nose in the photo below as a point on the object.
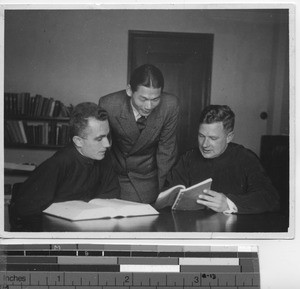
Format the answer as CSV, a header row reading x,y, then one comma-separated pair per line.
x,y
148,104
106,142
205,142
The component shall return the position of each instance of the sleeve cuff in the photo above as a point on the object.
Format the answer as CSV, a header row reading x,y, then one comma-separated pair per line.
x,y
232,208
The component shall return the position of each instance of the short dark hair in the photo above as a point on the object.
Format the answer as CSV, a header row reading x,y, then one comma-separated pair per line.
x,y
218,113
80,115
146,75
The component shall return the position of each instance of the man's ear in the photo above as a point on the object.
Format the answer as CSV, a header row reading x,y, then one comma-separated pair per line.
x,y
230,136
77,141
129,90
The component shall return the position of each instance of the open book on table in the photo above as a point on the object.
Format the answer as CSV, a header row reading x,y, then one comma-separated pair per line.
x,y
181,198
98,208
135,224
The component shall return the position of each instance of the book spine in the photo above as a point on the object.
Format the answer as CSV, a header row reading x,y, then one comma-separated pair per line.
x,y
44,106
22,130
28,132
51,108
46,133
40,133
32,105
15,103
39,105
26,103
180,194
19,103
11,104
57,108
8,135
58,133
52,133
18,131
31,132
22,103
64,134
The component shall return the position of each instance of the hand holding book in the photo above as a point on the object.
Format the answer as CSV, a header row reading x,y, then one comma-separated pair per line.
x,y
216,201
181,198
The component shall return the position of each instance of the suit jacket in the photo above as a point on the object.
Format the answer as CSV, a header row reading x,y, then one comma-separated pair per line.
x,y
146,157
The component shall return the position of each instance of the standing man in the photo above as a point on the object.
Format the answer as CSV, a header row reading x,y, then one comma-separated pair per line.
x,y
80,171
239,182
143,120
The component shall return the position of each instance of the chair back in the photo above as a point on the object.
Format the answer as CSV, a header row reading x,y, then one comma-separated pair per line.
x,y
274,155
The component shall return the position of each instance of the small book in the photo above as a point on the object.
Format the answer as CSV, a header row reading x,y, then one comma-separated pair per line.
x,y
181,198
98,209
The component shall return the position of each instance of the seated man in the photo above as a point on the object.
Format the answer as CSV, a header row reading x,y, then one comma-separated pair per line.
x,y
80,171
239,184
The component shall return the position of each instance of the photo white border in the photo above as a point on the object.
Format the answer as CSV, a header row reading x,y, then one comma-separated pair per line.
x,y
158,235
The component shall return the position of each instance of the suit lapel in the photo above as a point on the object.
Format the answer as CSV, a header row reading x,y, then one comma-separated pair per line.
x,y
128,124
147,134
127,121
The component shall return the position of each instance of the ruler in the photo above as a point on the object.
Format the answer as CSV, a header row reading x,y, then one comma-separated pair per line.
x,y
80,266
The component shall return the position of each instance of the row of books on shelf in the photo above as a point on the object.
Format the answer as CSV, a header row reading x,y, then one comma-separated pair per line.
x,y
36,133
24,104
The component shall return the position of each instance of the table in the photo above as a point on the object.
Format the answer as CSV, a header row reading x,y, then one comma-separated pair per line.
x,y
167,221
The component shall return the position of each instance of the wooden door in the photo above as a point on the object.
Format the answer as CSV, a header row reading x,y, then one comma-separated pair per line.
x,y
185,60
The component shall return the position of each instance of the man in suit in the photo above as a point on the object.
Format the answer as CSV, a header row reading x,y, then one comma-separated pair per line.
x,y
143,121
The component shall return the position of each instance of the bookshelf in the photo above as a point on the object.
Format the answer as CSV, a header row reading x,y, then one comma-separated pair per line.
x,y
35,122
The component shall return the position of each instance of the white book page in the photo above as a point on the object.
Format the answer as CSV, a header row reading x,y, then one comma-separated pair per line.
x,y
114,203
165,193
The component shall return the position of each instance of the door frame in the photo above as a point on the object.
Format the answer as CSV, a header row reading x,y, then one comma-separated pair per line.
x,y
203,44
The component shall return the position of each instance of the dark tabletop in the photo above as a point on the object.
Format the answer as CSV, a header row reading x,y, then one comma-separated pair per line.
x,y
167,221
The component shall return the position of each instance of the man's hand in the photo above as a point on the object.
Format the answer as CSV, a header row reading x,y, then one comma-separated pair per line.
x,y
213,200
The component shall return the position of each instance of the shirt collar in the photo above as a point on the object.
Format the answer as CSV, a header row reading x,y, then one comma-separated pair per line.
x,y
83,158
137,115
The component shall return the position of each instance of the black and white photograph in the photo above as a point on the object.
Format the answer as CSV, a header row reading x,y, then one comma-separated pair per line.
x,y
148,122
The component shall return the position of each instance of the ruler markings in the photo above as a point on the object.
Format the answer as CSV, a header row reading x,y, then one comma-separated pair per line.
x,y
209,261
87,260
99,247
116,253
58,247
37,259
206,280
76,265
211,268
148,260
149,268
45,253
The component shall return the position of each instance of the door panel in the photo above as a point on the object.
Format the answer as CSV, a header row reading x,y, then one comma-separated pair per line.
x,y
185,60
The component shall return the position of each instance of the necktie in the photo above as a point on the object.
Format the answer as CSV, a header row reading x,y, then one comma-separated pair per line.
x,y
141,123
